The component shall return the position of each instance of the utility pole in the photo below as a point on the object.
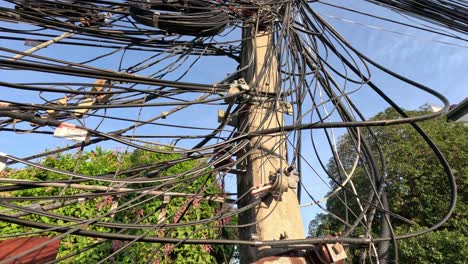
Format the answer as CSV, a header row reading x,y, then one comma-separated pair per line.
x,y
278,216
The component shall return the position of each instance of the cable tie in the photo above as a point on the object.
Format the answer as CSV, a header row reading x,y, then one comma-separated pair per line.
x,y
156,16
3,161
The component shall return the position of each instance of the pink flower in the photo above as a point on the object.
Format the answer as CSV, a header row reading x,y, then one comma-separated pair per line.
x,y
106,202
196,201
139,213
223,221
168,249
207,248
178,214
220,185
116,245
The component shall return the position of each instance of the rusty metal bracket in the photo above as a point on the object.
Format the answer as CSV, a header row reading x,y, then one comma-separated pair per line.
x,y
236,87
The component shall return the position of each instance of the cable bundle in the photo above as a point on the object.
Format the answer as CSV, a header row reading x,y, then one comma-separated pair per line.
x,y
202,18
452,14
71,10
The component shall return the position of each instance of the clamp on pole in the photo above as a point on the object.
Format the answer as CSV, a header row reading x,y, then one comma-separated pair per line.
x,y
280,182
236,87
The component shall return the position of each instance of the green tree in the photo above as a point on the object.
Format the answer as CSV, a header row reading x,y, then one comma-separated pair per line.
x,y
178,209
417,188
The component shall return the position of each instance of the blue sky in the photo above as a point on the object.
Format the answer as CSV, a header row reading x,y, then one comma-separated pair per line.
x,y
419,56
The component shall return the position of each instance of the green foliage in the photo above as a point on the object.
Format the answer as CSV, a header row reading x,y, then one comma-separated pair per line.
x,y
442,246
179,209
417,187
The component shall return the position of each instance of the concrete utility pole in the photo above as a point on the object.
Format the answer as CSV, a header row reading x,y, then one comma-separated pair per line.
x,y
277,217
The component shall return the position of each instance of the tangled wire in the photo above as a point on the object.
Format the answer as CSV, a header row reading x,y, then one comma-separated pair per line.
x,y
119,79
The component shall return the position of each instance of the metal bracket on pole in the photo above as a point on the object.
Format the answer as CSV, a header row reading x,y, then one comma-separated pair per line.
x,y
282,182
236,87
336,252
232,120
279,183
